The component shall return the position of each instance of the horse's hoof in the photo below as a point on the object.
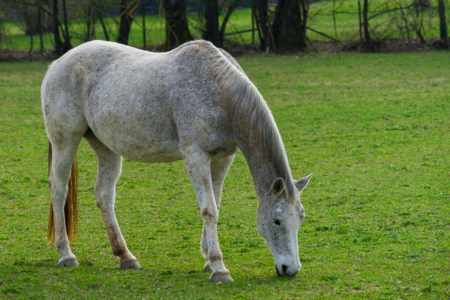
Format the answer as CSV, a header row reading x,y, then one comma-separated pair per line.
x,y
130,264
221,276
207,268
70,262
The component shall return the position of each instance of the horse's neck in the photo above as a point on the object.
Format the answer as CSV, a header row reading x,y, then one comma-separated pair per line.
x,y
262,167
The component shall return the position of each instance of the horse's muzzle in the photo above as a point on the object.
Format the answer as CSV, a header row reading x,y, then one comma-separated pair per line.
x,y
286,271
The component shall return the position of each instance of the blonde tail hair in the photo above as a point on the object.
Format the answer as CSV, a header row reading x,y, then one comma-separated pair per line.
x,y
71,207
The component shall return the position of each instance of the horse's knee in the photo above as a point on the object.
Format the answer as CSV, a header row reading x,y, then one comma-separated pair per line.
x,y
209,215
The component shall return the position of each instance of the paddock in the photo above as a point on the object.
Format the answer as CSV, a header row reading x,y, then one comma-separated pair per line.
x,y
372,128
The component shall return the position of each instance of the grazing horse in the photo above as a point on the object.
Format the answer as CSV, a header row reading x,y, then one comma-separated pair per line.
x,y
193,103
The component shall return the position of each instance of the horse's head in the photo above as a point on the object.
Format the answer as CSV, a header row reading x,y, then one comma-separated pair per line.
x,y
279,218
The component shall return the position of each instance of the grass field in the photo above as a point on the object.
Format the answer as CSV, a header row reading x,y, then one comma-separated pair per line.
x,y
374,130
321,19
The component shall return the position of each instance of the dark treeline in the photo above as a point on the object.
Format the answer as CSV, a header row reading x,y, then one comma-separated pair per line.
x,y
279,25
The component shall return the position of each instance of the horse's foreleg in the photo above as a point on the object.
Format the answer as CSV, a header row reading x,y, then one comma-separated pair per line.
x,y
199,170
64,151
108,172
219,170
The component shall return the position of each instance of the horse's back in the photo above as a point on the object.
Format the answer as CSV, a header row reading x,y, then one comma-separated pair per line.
x,y
136,102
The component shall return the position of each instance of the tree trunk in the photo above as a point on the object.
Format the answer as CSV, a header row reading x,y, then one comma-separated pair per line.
x,y
212,22
367,38
255,15
40,30
125,23
360,23
58,44
227,17
143,26
177,29
67,44
105,32
287,27
28,26
261,6
253,22
334,19
419,18
305,10
442,24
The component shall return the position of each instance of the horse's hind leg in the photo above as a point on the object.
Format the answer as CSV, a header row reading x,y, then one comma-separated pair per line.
x,y
108,172
64,149
219,170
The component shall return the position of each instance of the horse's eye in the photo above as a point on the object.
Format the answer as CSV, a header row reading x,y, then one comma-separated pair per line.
x,y
276,221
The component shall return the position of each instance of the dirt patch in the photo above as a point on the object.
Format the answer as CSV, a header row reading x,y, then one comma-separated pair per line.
x,y
393,46
386,46
15,56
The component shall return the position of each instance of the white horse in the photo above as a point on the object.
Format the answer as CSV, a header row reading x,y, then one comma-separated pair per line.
x,y
193,103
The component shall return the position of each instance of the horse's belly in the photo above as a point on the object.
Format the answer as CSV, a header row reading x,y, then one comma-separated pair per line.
x,y
150,153
136,139
142,149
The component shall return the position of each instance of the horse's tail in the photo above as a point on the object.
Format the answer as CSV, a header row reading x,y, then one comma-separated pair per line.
x,y
71,207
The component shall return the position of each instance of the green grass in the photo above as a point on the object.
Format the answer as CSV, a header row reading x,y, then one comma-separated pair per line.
x,y
372,128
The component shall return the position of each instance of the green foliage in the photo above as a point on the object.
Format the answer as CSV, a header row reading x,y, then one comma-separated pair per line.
x,y
372,128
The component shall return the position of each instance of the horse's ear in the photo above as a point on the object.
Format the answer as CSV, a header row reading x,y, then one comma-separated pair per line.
x,y
302,183
278,187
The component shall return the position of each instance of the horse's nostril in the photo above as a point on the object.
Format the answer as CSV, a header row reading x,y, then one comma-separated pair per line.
x,y
284,269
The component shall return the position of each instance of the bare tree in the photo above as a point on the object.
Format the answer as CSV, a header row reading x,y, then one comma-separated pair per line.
x,y
367,37
177,29
288,30
41,40
262,18
28,26
127,10
230,11
2,31
101,8
417,18
212,22
305,11
61,46
442,24
89,18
